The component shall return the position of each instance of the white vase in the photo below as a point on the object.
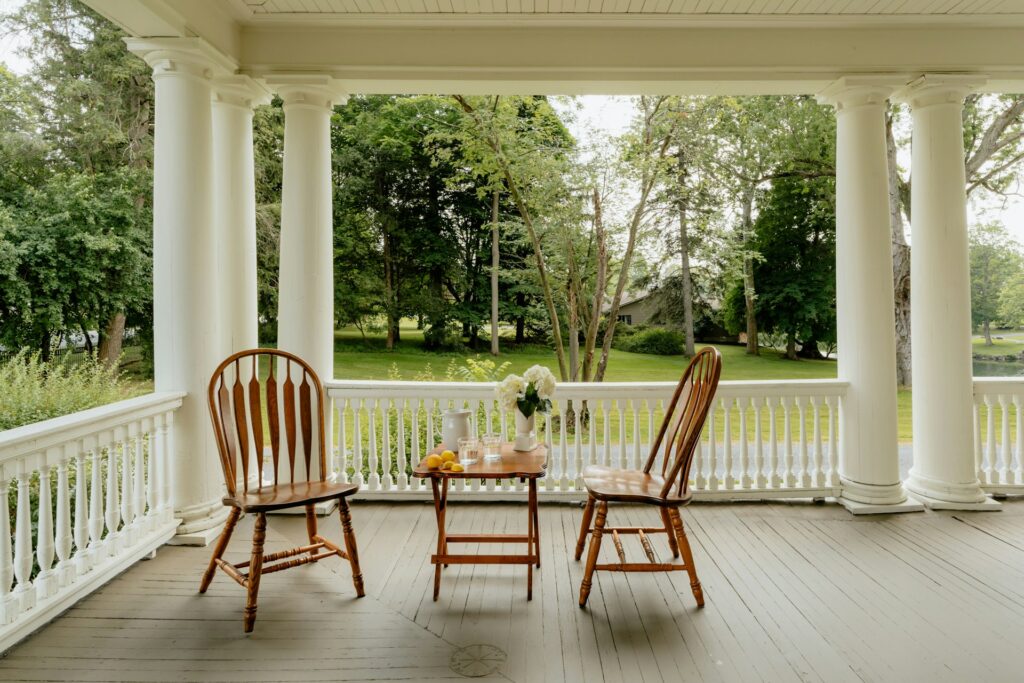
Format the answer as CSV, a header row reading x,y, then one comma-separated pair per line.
x,y
526,436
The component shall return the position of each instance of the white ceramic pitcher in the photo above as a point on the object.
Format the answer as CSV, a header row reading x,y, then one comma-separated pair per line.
x,y
455,424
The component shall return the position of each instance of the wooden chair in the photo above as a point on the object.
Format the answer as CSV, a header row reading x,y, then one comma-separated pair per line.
x,y
236,399
684,420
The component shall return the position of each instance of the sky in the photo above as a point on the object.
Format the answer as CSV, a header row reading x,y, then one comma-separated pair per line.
x,y
593,117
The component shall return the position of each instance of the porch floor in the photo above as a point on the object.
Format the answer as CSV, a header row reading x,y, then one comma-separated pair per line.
x,y
795,593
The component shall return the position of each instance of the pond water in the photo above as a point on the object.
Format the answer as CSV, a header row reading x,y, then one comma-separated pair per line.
x,y
992,368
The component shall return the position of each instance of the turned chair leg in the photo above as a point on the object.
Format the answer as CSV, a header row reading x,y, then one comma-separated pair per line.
x,y
350,546
218,550
259,535
671,532
588,514
684,547
311,526
595,549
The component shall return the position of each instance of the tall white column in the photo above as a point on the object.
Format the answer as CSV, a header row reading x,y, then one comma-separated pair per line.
x,y
188,341
869,447
943,474
305,315
234,184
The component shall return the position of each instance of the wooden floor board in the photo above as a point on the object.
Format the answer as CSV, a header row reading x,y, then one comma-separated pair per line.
x,y
794,593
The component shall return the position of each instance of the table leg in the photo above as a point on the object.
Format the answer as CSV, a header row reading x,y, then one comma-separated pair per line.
x,y
536,521
531,547
440,501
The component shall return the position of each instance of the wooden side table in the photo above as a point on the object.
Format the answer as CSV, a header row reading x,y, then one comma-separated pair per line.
x,y
526,466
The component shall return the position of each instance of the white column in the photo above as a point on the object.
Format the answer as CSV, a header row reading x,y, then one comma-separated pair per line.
x,y
943,474
188,341
869,447
234,184
305,316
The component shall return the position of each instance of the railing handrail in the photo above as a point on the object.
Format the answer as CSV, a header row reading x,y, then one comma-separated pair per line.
x,y
998,385
341,388
38,436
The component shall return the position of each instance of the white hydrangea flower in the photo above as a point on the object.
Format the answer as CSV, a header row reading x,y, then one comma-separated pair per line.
x,y
542,379
510,390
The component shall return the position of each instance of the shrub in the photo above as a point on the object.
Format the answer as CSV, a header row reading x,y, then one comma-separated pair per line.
x,y
656,340
32,390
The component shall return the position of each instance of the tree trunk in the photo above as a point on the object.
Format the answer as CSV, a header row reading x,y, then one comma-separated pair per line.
x,y
809,350
495,262
112,340
88,339
749,295
684,254
599,286
521,329
389,294
574,337
900,260
791,346
986,328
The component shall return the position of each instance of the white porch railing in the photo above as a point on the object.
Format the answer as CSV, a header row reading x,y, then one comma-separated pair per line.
x,y
999,434
97,486
763,439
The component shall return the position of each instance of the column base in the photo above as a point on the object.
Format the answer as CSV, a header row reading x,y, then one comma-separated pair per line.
x,y
199,539
200,523
943,495
857,508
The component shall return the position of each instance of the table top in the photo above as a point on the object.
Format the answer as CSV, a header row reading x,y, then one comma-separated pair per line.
x,y
512,463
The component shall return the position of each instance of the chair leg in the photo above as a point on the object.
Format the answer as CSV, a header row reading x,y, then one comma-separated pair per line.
x,y
259,535
595,549
218,550
671,532
588,514
350,546
684,547
311,526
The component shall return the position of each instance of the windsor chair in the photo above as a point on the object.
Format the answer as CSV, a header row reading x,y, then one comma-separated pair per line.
x,y
293,410
683,422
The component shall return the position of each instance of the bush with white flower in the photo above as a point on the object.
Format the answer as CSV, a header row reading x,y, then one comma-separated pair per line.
x,y
530,393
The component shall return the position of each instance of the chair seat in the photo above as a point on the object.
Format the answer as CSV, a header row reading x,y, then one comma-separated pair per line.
x,y
289,495
636,486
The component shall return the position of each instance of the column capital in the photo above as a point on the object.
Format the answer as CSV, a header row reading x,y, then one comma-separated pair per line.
x,y
240,91
934,89
859,90
307,90
181,56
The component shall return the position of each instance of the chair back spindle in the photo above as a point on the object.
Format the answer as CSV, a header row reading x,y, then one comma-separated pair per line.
x,y
684,420
241,387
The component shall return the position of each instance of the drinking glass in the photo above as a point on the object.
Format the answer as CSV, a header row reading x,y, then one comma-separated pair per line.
x,y
492,446
469,449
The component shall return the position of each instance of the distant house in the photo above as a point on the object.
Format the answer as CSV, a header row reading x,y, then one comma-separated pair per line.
x,y
638,308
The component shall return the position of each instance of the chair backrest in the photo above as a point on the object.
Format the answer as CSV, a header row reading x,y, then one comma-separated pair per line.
x,y
684,420
260,387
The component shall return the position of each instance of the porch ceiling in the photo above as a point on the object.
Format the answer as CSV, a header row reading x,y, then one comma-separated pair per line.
x,y
586,46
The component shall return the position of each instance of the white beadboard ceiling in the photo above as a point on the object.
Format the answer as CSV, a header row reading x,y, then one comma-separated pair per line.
x,y
269,9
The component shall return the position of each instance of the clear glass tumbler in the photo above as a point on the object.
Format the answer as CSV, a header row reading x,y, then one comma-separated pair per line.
x,y
492,446
469,450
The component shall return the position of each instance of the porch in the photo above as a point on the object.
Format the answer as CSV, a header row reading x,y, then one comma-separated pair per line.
x,y
795,592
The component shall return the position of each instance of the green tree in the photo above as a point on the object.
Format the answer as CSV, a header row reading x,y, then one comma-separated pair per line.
x,y
995,258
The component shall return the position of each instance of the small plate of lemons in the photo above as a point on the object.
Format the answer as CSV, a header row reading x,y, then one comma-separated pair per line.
x,y
445,461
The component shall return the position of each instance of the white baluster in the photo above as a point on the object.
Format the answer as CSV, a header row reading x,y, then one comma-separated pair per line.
x,y
374,481
152,504
563,446
112,518
592,407
819,474
63,538
700,482
1019,445
729,479
990,443
416,483
773,446
712,451
357,428
24,592
403,475
578,443
634,405
97,552
805,460
166,456
607,415
1004,416
341,405
139,484
8,602
652,407
788,441
620,409
833,440
978,466
758,404
83,556
742,404
388,482
127,491
46,582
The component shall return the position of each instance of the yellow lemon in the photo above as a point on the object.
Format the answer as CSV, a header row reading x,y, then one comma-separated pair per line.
x,y
432,462
447,456
446,465
456,467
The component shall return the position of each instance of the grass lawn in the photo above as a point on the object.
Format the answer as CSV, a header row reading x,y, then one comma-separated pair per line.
x,y
1012,343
